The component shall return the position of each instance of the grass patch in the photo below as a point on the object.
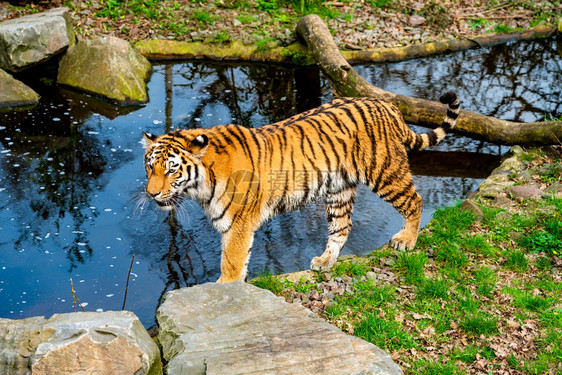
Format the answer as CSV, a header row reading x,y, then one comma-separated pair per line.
x,y
525,299
452,254
425,367
411,265
351,268
265,44
468,303
449,222
384,332
381,3
203,16
454,282
368,296
478,245
516,260
269,281
543,264
544,241
480,324
466,355
434,288
485,278
502,28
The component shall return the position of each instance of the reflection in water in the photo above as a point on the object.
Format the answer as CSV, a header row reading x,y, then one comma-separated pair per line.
x,y
71,174
517,82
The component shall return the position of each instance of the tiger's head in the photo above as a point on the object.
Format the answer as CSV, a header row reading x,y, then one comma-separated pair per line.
x,y
173,166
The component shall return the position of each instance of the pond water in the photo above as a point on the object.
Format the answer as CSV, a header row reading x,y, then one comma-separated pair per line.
x,y
71,173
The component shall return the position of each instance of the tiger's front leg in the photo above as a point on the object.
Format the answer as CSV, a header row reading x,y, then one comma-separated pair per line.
x,y
339,206
236,249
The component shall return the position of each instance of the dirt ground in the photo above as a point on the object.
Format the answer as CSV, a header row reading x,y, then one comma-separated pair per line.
x,y
356,25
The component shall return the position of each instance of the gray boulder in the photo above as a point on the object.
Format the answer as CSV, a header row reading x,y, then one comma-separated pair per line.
x,y
14,93
107,67
78,343
554,189
470,206
30,40
522,192
238,328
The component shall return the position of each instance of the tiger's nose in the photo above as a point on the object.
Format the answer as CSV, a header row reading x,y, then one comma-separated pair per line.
x,y
151,195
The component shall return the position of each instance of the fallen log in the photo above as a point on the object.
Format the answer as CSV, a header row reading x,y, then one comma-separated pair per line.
x,y
347,82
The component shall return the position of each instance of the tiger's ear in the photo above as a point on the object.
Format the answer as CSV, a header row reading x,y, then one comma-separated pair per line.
x,y
198,145
148,139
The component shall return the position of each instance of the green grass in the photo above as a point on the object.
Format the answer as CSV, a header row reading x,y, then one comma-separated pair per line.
x,y
452,220
502,28
480,324
425,367
265,44
478,244
411,265
550,117
544,264
301,7
468,303
222,37
117,9
203,16
384,332
551,318
368,296
525,299
466,286
516,260
485,278
381,3
470,352
478,22
301,286
434,288
248,18
543,241
269,281
452,254
350,268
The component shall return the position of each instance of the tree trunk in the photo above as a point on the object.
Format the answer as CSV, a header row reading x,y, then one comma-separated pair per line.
x,y
346,82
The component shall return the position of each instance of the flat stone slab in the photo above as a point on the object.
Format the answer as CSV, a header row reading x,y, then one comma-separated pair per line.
x,y
238,328
33,39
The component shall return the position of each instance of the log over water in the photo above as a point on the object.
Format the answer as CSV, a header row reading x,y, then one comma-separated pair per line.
x,y
347,82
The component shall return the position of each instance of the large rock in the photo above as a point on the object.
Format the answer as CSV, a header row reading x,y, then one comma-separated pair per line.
x,y
108,67
554,190
238,328
78,343
33,39
14,93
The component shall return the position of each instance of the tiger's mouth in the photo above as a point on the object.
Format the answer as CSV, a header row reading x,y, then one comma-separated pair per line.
x,y
165,204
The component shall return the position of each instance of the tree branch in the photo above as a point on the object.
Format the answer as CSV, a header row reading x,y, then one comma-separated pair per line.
x,y
347,82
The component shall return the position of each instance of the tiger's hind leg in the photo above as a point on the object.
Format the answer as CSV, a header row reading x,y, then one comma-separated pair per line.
x,y
339,206
402,194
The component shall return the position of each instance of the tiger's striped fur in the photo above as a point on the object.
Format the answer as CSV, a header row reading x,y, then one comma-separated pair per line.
x,y
242,177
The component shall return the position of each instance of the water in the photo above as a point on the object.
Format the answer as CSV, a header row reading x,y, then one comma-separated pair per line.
x,y
71,174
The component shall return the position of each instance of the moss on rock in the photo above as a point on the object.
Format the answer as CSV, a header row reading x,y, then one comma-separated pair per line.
x,y
107,67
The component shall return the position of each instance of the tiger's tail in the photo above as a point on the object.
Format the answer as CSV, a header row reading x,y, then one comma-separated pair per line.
x,y
421,141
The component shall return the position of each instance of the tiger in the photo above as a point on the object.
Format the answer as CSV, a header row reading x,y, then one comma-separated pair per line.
x,y
242,177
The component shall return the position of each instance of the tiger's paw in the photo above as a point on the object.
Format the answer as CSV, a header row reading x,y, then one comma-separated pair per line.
x,y
319,264
402,241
